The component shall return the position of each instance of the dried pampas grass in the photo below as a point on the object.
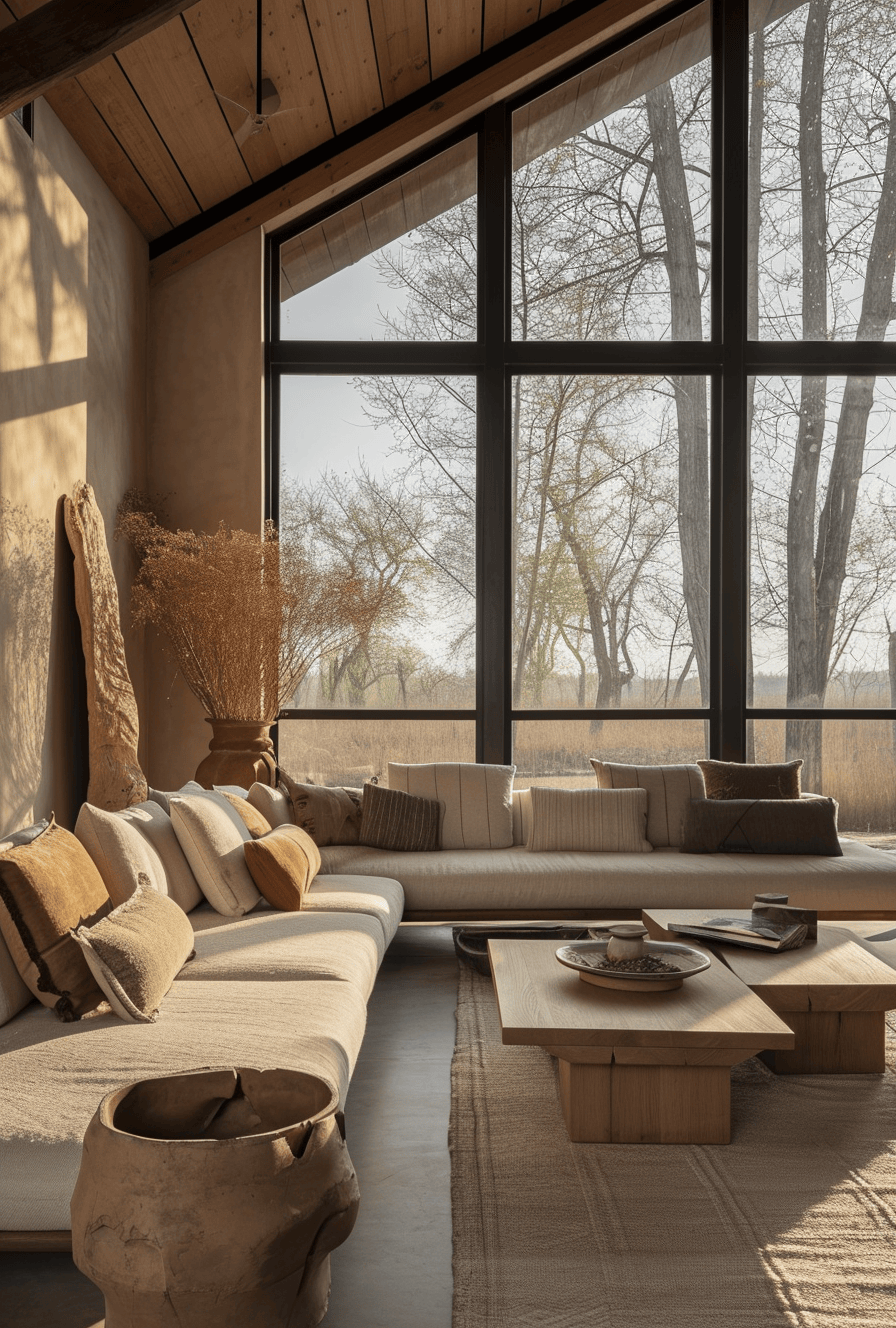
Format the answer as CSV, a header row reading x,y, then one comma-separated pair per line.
x,y
246,617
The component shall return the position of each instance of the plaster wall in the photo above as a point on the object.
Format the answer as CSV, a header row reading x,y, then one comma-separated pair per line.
x,y
73,299
205,449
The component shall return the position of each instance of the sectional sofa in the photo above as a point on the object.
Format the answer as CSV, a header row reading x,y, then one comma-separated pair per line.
x,y
267,989
290,988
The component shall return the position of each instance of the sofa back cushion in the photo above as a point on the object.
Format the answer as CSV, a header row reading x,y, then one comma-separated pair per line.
x,y
49,885
670,789
589,821
476,799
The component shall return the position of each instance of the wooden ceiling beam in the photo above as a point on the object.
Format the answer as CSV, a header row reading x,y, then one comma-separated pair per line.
x,y
64,37
323,175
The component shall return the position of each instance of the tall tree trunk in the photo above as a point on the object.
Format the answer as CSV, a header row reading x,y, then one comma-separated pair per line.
x,y
690,393
754,222
805,684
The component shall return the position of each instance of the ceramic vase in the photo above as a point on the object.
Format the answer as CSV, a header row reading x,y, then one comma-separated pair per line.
x,y
214,1199
239,753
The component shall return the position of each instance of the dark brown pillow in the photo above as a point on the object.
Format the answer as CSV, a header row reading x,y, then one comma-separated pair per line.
x,y
761,825
401,821
48,886
734,779
283,863
328,815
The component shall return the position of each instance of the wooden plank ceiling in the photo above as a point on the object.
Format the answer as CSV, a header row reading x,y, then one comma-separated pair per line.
x,y
150,122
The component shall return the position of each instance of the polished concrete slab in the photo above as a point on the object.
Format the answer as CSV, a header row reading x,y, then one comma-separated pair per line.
x,y
395,1269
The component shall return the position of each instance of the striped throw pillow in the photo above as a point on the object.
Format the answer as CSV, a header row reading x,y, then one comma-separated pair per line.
x,y
670,789
399,821
589,821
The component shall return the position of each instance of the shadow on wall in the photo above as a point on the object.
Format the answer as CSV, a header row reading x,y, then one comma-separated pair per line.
x,y
43,748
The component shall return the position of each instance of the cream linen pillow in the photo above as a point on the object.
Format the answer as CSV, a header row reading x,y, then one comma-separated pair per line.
x,y
212,836
589,820
670,789
273,804
476,798
136,952
137,839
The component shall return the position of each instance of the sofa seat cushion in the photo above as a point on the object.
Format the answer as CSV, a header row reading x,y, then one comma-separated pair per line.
x,y
462,880
270,945
53,1075
378,896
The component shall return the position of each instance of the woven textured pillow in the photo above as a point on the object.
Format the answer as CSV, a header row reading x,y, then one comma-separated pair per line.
x,y
48,886
283,863
670,789
212,836
762,825
734,779
476,799
328,815
137,951
399,821
589,821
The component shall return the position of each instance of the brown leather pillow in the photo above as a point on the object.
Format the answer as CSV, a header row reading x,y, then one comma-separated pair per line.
x,y
255,823
735,779
400,821
761,825
49,886
328,815
283,863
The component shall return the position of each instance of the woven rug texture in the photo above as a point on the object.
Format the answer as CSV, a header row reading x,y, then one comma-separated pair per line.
x,y
792,1223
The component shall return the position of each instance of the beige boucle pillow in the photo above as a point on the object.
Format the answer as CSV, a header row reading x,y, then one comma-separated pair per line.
x,y
136,952
212,836
139,840
589,821
273,804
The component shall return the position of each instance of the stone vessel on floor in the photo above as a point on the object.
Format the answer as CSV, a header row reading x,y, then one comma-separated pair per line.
x,y
214,1198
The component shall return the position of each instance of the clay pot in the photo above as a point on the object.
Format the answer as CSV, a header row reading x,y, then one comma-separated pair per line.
x,y
239,753
626,941
213,1200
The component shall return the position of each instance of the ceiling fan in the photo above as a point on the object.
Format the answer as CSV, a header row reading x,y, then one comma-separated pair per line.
x,y
267,98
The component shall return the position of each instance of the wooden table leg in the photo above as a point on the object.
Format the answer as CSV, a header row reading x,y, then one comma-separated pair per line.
x,y
649,1104
832,1042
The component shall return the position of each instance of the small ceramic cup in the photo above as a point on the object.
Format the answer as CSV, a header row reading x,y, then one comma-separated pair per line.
x,y
626,941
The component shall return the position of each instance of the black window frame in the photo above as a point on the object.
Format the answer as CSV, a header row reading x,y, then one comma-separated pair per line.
x,y
726,360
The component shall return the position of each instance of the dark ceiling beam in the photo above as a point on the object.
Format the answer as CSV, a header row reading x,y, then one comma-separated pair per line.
x,y
64,37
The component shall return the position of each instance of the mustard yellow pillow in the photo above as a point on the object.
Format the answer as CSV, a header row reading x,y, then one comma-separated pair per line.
x,y
283,864
254,822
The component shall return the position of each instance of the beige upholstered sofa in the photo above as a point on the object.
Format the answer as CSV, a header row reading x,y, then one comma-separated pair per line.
x,y
268,989
483,883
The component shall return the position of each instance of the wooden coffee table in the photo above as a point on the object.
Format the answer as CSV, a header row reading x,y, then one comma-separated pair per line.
x,y
832,992
634,1067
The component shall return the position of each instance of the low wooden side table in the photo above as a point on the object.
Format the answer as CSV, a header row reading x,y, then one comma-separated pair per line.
x,y
832,992
634,1067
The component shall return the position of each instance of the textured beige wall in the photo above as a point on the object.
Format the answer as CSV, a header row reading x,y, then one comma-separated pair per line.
x,y
205,441
73,297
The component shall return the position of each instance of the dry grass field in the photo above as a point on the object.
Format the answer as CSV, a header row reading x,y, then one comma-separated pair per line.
x,y
859,764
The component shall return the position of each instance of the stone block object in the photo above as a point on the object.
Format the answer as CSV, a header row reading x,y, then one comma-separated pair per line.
x,y
213,1200
116,780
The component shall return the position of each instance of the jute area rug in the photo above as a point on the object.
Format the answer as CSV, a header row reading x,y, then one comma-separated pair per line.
x,y
793,1223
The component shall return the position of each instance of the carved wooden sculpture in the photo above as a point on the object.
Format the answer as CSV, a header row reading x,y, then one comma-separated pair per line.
x,y
214,1198
116,779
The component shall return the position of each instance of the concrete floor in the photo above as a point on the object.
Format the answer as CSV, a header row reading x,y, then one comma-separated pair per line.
x,y
395,1269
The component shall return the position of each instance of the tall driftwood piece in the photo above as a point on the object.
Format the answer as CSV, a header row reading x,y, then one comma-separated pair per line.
x,y
116,779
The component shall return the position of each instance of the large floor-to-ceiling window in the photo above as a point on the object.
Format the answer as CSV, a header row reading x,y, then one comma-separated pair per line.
x,y
598,397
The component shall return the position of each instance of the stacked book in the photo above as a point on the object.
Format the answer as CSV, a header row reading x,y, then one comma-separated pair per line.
x,y
755,932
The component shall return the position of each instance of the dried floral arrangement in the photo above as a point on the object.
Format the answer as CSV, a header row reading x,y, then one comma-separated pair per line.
x,y
246,615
